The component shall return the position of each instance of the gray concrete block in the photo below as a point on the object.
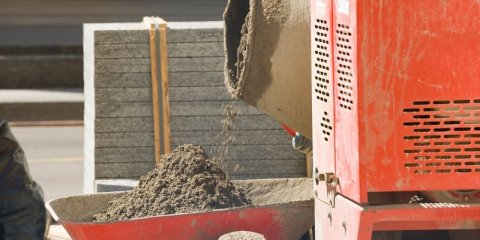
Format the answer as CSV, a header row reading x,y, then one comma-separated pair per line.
x,y
123,137
118,124
264,167
176,32
256,152
264,176
123,170
142,65
205,138
214,123
175,79
208,108
198,49
136,109
110,110
125,155
241,138
123,80
176,94
119,95
186,123
127,139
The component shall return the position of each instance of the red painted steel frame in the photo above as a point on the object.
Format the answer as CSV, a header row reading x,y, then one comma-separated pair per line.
x,y
283,221
406,96
350,220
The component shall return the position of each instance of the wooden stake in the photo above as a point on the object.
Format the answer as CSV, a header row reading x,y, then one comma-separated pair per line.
x,y
309,165
161,133
166,99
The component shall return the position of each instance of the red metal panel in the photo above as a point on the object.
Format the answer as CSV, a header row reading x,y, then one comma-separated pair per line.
x,y
407,96
418,65
346,111
322,91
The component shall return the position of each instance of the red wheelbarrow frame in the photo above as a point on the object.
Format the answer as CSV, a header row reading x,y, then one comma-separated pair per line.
x,y
280,221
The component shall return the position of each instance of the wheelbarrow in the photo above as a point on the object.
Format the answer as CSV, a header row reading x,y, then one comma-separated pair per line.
x,y
280,209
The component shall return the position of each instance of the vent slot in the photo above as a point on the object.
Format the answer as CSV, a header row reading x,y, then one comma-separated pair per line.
x,y
445,133
322,56
326,125
344,66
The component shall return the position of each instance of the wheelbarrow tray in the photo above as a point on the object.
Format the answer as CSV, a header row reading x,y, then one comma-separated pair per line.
x,y
280,209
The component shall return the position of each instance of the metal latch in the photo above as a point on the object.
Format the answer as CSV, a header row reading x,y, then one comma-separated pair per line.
x,y
328,178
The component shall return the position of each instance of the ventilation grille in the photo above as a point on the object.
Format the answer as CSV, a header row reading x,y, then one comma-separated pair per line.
x,y
344,66
443,137
326,125
322,56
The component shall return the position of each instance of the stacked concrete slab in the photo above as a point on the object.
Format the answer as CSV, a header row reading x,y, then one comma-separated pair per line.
x,y
118,105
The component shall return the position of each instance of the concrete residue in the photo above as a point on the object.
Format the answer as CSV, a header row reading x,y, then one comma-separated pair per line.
x,y
185,181
275,191
276,11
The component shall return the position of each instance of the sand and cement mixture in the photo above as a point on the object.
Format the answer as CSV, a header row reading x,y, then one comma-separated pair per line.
x,y
185,181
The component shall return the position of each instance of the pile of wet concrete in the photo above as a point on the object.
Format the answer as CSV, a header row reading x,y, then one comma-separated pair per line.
x,y
185,181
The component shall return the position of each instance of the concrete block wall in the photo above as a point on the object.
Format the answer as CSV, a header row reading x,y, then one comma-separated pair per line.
x,y
118,108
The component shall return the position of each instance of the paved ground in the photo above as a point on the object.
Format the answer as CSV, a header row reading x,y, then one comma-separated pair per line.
x,y
55,156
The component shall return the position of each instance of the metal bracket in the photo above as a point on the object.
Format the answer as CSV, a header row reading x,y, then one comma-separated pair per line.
x,y
331,180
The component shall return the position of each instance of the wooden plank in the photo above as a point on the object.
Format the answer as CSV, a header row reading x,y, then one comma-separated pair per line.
x,y
154,96
176,79
186,123
309,165
243,138
133,154
177,94
206,138
238,152
250,168
257,152
198,49
124,110
131,124
264,176
142,65
265,167
122,170
123,80
214,123
121,140
207,108
165,94
119,95
173,36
